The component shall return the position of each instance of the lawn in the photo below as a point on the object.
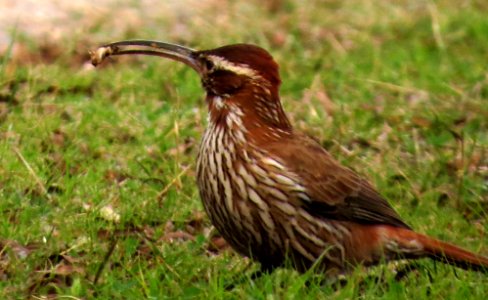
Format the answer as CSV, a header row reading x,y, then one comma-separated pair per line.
x,y
97,166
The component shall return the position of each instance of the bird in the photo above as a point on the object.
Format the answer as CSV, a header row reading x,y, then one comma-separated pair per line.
x,y
275,194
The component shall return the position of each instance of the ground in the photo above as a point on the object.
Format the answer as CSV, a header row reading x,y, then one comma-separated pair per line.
x,y
97,182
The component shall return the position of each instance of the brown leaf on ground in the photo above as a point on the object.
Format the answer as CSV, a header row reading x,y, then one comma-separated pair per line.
x,y
58,138
45,53
217,245
183,148
56,162
58,270
278,38
4,111
8,91
318,92
361,143
461,121
476,162
128,230
177,236
479,225
66,269
421,122
325,100
19,250
145,250
148,231
115,176
169,226
195,225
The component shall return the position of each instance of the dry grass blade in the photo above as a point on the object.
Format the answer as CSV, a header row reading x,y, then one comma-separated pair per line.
x,y
165,190
32,173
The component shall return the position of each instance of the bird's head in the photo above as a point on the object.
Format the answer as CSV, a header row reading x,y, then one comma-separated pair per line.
x,y
230,69
241,75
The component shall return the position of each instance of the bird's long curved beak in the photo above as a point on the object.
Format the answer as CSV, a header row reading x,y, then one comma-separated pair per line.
x,y
146,47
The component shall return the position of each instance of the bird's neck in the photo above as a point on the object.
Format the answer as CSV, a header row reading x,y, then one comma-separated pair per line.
x,y
257,114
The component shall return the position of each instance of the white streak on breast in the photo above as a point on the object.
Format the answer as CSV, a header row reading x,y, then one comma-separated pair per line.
x,y
272,162
254,197
240,136
241,186
267,220
285,207
284,180
234,121
218,102
276,193
248,178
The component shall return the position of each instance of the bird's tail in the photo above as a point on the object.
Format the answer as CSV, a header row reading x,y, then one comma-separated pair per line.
x,y
414,245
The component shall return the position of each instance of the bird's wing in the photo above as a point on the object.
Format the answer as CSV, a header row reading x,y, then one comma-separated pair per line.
x,y
335,191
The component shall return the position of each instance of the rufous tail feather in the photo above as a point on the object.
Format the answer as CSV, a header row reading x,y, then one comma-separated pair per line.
x,y
437,250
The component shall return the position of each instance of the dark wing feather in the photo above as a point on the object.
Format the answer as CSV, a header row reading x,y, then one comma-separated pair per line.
x,y
336,192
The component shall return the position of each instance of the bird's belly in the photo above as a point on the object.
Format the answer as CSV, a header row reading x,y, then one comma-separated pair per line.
x,y
252,208
232,201
236,219
237,231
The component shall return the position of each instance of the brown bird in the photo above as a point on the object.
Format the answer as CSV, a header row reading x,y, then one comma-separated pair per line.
x,y
272,192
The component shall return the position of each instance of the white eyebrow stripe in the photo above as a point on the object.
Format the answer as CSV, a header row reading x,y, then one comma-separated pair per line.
x,y
240,69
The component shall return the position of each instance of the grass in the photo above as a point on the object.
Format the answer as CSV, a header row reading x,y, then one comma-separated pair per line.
x,y
97,183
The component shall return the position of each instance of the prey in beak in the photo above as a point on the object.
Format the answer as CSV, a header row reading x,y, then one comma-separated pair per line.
x,y
146,47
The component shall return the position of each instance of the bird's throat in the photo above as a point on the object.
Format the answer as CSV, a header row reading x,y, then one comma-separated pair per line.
x,y
248,121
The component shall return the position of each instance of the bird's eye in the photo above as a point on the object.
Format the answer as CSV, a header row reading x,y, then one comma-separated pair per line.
x,y
209,65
